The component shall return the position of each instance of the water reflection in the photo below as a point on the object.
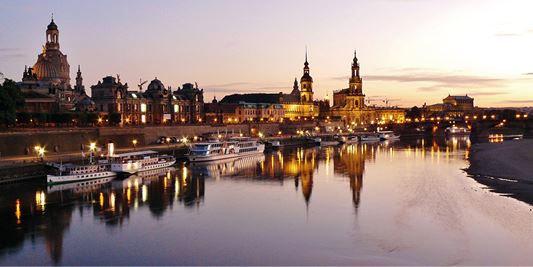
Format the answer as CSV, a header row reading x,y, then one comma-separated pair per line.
x,y
35,213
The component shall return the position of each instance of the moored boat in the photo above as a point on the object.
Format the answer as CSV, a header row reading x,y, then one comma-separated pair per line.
x,y
66,173
369,138
455,130
218,150
350,139
388,135
140,161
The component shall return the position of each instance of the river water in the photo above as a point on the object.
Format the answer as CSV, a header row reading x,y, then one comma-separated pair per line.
x,y
366,204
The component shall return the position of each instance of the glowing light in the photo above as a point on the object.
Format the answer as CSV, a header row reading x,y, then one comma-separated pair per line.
x,y
101,198
144,193
17,210
92,146
112,200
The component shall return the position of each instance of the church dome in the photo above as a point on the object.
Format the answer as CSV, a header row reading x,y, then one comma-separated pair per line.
x,y
52,66
52,25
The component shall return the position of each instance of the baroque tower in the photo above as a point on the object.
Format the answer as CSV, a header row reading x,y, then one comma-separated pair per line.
x,y
306,84
356,84
79,88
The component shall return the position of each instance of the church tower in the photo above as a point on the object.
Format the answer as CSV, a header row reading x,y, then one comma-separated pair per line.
x,y
79,88
306,84
356,83
52,36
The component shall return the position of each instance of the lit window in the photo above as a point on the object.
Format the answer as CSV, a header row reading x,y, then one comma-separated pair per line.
x,y
143,107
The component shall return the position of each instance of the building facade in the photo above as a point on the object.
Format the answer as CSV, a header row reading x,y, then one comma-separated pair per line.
x,y
349,103
156,105
243,112
451,106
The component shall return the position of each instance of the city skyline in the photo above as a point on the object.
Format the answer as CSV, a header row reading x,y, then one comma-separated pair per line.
x,y
228,50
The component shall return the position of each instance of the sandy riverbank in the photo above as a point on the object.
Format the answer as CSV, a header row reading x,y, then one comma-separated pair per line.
x,y
506,168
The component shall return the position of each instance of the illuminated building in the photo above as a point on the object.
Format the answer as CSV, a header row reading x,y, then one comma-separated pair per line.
x,y
46,85
242,112
156,105
452,106
349,103
297,105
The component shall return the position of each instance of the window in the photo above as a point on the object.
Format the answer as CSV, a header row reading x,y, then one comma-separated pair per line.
x,y
143,108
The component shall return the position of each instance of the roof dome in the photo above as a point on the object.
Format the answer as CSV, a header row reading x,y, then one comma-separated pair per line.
x,y
52,25
156,85
52,65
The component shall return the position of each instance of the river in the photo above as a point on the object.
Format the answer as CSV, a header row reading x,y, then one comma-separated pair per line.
x,y
365,204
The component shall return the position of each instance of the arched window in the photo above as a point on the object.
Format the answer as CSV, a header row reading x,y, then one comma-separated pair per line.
x,y
357,103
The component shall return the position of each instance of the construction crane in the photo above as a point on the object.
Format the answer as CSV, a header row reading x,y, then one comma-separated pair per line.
x,y
140,85
384,100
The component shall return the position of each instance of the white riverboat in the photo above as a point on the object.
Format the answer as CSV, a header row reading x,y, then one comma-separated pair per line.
x,y
369,138
67,173
218,150
455,130
388,135
350,139
140,161
79,187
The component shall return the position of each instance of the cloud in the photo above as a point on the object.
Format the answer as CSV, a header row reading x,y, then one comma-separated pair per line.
x,y
233,84
430,88
10,53
444,80
529,73
520,101
249,87
8,49
11,56
508,34
489,93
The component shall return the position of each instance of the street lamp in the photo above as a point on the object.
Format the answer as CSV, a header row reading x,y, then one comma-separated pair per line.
x,y
134,142
92,149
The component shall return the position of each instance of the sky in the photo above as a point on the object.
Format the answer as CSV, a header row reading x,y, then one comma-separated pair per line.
x,y
411,52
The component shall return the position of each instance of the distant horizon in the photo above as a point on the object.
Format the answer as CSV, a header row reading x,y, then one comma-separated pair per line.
x,y
248,46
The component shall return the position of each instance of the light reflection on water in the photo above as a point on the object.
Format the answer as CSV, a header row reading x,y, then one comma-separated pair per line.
x,y
386,203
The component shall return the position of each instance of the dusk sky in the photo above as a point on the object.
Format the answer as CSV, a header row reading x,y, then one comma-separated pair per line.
x,y
410,51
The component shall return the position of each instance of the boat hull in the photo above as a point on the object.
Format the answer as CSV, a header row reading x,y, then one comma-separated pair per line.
x,y
128,170
224,156
60,179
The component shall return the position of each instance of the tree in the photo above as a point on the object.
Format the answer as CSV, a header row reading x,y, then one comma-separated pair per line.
x,y
413,113
92,118
114,118
10,99
23,117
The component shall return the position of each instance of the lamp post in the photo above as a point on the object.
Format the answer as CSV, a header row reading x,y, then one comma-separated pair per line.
x,y
92,148
134,142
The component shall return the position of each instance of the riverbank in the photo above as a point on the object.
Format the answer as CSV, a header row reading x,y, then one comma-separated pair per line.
x,y
504,167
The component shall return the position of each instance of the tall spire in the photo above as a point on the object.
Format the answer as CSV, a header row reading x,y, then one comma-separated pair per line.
x,y
306,54
355,65
306,64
